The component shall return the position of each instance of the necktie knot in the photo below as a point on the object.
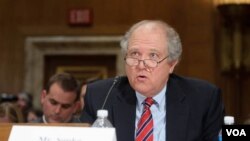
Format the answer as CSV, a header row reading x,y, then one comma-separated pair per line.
x,y
148,102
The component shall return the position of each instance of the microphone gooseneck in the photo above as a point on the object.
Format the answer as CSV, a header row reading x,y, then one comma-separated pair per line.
x,y
110,89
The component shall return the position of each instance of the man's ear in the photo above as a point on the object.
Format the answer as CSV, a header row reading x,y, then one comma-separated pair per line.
x,y
172,66
77,106
43,95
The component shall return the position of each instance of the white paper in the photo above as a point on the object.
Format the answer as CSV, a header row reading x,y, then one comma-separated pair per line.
x,y
60,133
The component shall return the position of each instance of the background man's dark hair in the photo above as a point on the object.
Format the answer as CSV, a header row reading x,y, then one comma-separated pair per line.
x,y
67,82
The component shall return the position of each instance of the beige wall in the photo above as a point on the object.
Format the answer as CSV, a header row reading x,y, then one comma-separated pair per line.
x,y
192,19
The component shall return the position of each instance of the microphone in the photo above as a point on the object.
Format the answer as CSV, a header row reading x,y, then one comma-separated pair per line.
x,y
110,89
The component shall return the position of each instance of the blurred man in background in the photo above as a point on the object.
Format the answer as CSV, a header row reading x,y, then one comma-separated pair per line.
x,y
60,99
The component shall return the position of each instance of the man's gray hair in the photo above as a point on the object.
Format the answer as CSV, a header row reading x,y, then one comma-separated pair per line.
x,y
174,45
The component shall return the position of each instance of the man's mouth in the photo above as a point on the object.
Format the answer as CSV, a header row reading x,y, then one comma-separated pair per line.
x,y
56,118
141,77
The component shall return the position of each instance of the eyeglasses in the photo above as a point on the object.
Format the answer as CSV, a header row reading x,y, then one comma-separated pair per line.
x,y
147,62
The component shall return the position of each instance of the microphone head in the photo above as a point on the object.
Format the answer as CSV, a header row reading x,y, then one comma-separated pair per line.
x,y
116,78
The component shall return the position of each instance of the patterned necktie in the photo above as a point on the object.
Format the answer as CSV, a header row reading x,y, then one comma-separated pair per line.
x,y
145,126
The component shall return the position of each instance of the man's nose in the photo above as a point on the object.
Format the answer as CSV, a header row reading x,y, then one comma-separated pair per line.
x,y
58,109
141,64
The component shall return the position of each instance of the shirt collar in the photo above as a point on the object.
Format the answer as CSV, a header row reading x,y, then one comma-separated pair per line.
x,y
159,99
44,119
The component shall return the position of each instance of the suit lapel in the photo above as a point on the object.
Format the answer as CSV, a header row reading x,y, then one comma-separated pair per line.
x,y
124,109
177,112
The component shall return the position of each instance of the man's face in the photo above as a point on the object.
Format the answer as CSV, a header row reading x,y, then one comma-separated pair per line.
x,y
58,105
21,102
148,43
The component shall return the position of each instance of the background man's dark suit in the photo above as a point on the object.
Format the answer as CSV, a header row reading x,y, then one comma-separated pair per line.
x,y
194,108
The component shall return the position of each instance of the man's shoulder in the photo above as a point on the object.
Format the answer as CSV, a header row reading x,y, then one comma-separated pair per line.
x,y
118,80
102,82
193,87
75,119
191,81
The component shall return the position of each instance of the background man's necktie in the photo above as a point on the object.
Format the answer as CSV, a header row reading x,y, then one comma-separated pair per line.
x,y
145,125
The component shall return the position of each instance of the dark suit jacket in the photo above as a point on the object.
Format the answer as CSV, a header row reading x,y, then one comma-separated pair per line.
x,y
194,108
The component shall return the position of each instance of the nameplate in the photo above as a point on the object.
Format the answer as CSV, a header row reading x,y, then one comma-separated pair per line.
x,y
60,133
236,132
